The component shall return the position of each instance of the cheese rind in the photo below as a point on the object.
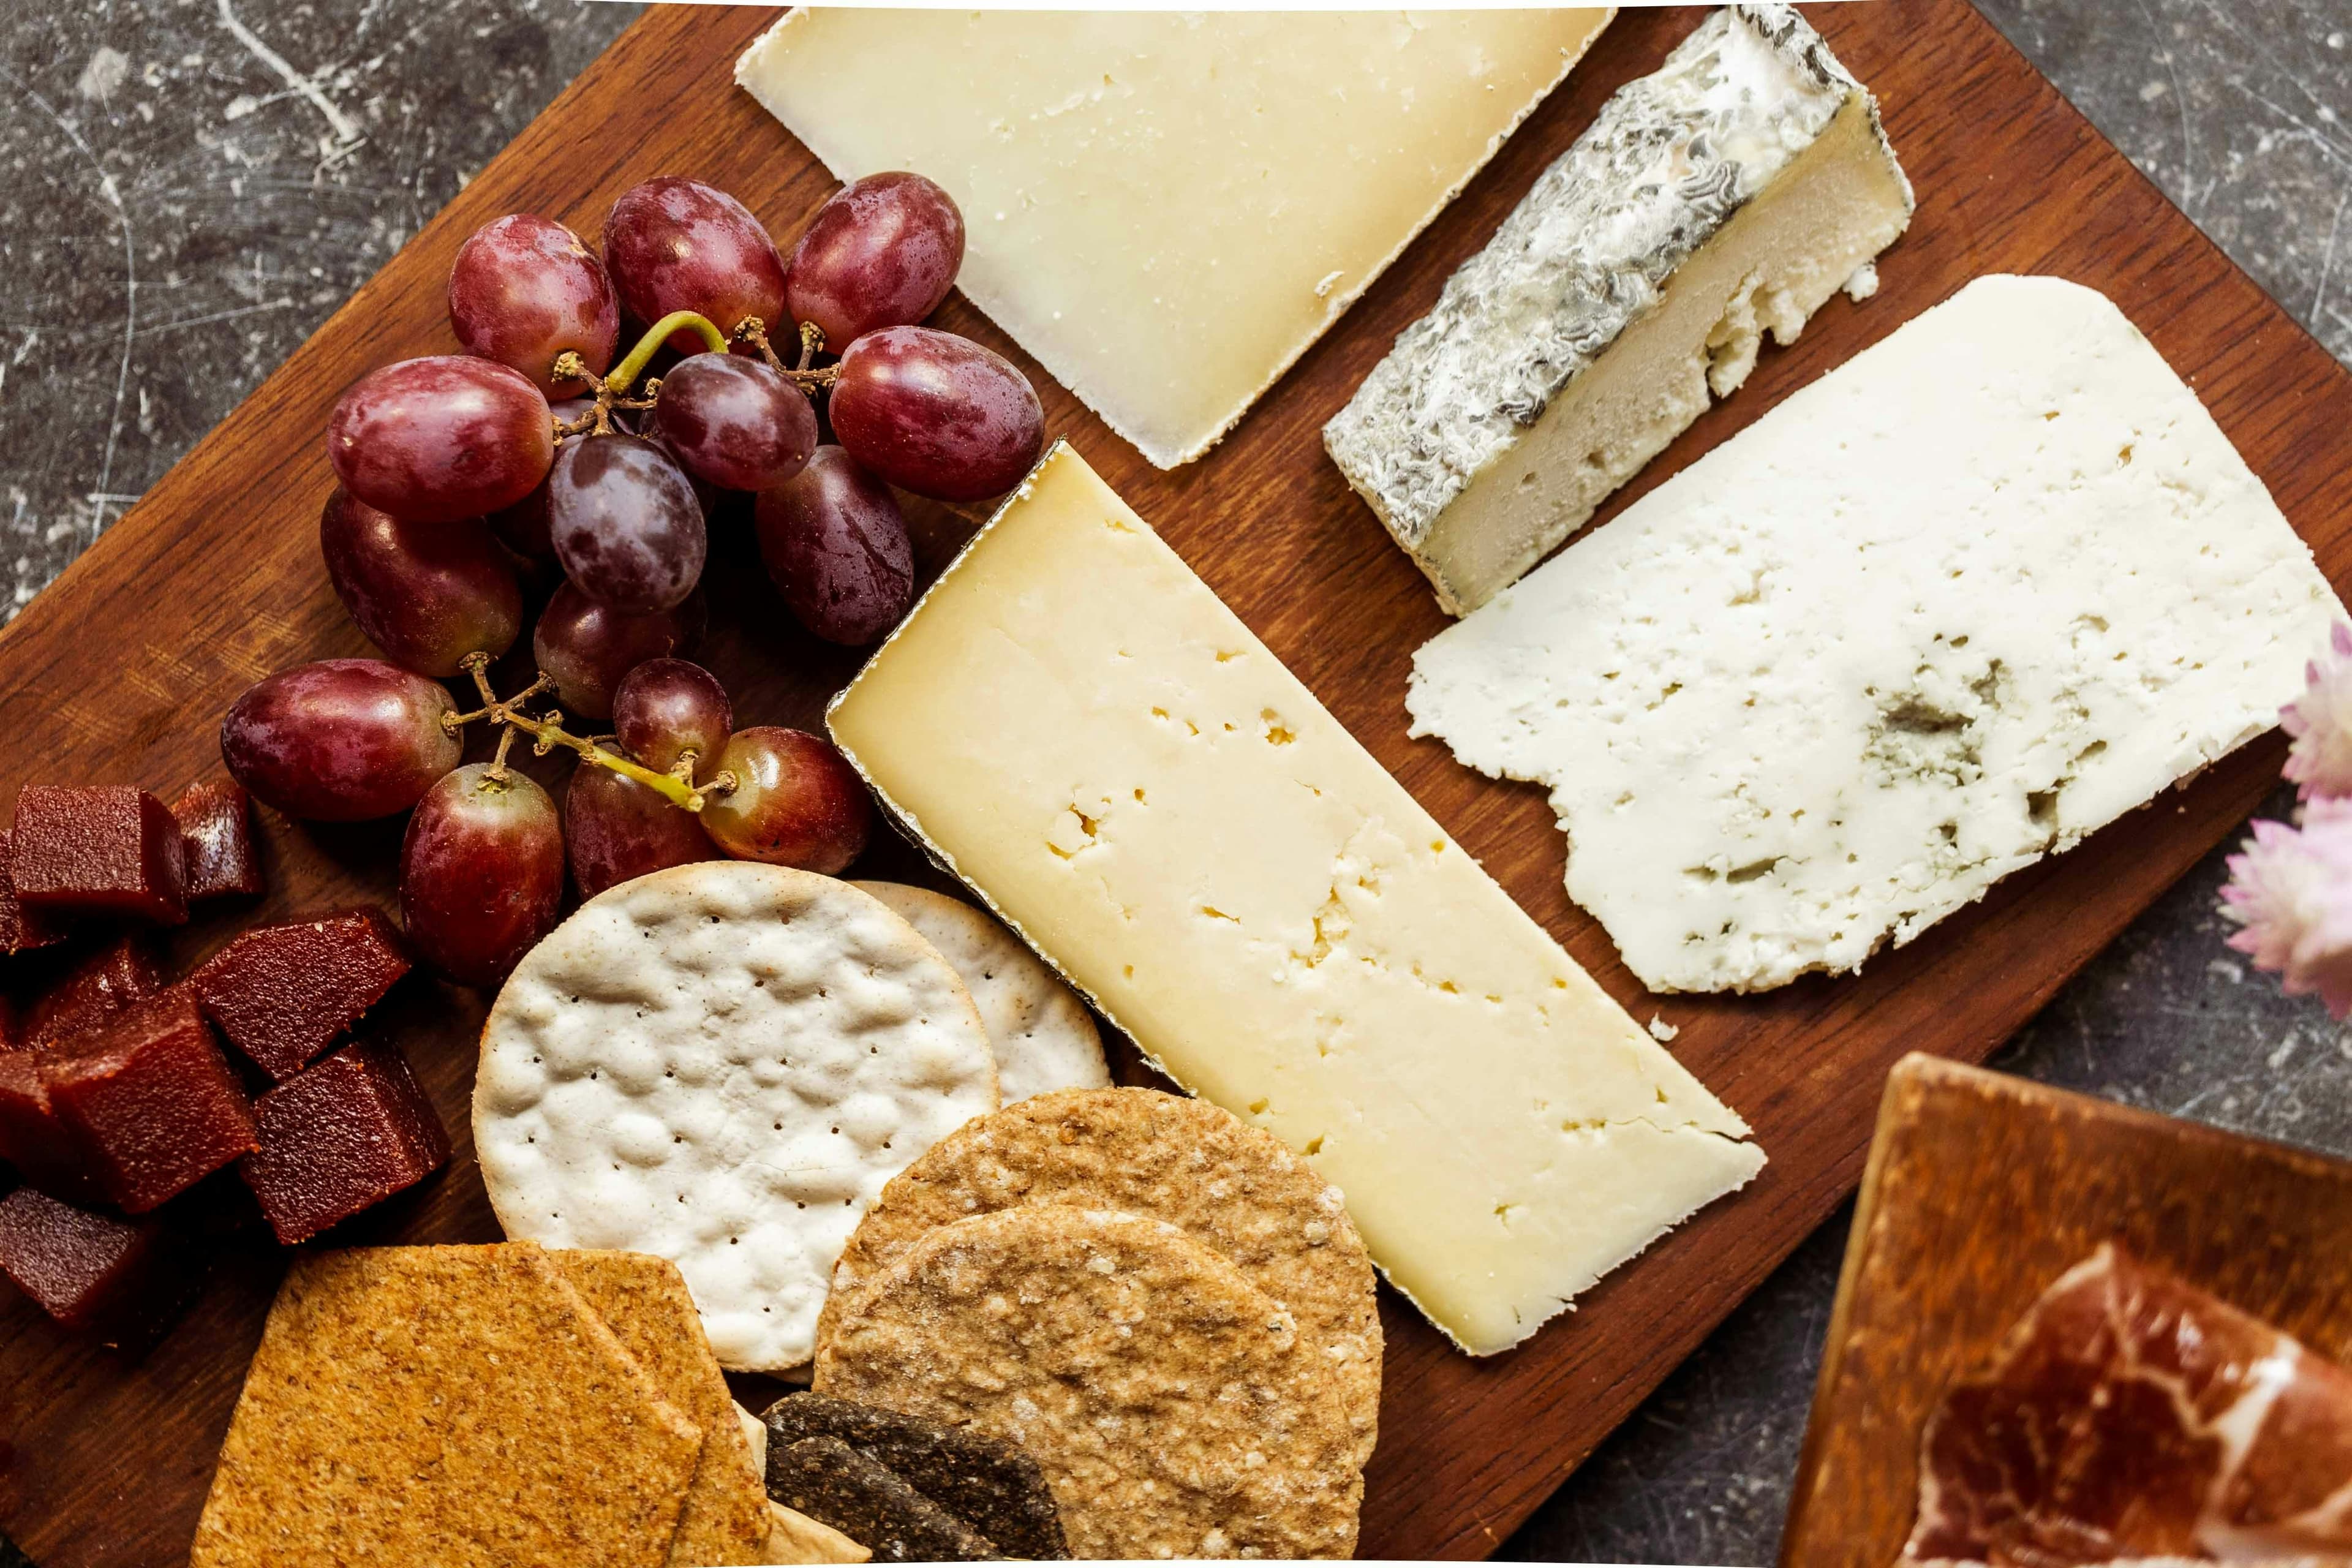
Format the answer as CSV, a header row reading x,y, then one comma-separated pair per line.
x,y
1167,210
1997,580
1077,727
1728,194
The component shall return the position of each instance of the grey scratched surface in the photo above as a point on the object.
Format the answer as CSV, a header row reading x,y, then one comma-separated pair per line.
x,y
187,187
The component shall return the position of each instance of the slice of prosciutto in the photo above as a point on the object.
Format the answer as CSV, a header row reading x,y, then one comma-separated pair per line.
x,y
2131,1415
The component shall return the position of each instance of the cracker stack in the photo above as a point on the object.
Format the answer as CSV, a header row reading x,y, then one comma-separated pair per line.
x,y
464,1406
1162,1306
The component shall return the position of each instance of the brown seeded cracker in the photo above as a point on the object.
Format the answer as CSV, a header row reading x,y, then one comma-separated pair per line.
x,y
832,1483
1175,1409
453,1406
989,1484
644,1301
1231,1186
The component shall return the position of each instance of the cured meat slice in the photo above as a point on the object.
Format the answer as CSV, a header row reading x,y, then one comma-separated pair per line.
x,y
2131,1415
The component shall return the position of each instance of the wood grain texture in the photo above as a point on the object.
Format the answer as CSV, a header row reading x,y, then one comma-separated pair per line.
x,y
1981,1191
120,670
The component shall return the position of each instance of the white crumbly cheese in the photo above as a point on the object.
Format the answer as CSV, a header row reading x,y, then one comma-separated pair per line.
x,y
1077,726
1168,209
1728,194
1954,605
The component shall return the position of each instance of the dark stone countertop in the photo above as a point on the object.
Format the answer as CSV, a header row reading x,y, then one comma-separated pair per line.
x,y
188,187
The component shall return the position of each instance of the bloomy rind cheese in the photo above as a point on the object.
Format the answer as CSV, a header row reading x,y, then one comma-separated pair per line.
x,y
1518,1135
1751,140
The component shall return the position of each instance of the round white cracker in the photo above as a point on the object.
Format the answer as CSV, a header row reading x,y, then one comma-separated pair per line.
x,y
1044,1038
723,1064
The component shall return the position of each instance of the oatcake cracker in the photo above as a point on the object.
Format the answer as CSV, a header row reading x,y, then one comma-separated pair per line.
x,y
1042,1036
722,1064
644,1301
991,1485
1231,1186
453,1406
1172,1406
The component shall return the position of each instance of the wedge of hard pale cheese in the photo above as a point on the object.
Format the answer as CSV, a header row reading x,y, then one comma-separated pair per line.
x,y
1075,724
1728,194
1954,605
1167,210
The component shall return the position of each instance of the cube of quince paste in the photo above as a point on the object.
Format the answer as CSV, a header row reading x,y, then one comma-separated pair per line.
x,y
106,850
126,1279
341,1137
152,1100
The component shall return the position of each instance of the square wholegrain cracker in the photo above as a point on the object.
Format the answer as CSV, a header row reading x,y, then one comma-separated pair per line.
x,y
461,1406
644,1301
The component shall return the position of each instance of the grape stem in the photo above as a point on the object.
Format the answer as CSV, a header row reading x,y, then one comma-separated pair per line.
x,y
548,732
612,389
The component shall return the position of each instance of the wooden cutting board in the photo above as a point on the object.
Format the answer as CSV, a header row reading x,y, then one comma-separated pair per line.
x,y
119,672
1981,1191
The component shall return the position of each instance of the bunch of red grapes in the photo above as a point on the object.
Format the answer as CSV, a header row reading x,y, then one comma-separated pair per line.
x,y
544,448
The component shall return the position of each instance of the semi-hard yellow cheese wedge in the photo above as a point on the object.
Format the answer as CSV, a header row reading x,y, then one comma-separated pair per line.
x,y
1078,725
1167,210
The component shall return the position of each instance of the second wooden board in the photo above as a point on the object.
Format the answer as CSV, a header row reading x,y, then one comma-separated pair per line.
x,y
1982,1190
121,671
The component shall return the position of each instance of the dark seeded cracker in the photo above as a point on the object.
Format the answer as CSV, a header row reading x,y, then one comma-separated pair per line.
x,y
992,1486
834,1484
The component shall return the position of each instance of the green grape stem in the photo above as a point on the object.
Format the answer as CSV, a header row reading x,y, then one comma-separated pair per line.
x,y
612,389
548,732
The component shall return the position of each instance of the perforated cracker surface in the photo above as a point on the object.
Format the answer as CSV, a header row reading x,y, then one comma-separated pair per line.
x,y
722,1064
1044,1038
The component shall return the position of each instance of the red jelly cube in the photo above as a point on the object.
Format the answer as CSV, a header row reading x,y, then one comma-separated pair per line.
x,y
32,1139
216,841
152,1100
93,991
341,1137
282,994
125,1278
111,850
21,928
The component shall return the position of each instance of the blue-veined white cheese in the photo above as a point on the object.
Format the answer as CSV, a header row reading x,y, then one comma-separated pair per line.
x,y
1167,209
1726,194
1077,726
1992,583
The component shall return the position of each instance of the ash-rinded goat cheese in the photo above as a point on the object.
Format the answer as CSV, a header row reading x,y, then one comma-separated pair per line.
x,y
1950,608
1732,192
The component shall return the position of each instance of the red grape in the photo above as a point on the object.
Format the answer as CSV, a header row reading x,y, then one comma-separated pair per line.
x,y
426,593
625,523
666,706
586,649
882,252
481,872
796,802
936,414
615,828
837,550
439,440
524,290
523,527
340,741
679,245
734,422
